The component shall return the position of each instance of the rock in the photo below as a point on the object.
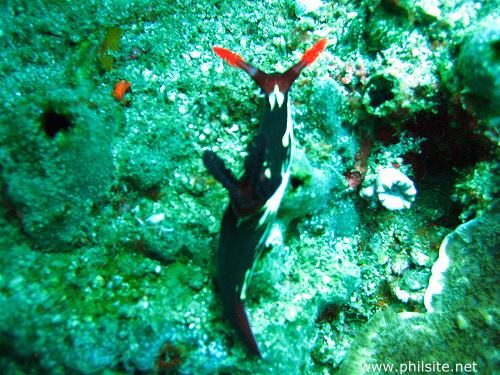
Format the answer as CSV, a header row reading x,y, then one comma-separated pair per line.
x,y
57,164
307,191
462,298
479,66
465,273
304,7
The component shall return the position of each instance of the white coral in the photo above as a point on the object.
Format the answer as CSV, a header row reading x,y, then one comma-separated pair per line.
x,y
393,189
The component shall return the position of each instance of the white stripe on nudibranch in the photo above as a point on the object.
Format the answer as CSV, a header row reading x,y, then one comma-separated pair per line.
x,y
276,96
246,282
288,136
258,252
273,203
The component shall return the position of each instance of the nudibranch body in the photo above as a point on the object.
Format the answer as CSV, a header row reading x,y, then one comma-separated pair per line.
x,y
254,197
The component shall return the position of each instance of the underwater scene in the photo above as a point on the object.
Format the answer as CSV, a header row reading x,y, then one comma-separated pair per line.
x,y
249,187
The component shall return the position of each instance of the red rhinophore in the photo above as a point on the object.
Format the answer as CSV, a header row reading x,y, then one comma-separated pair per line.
x,y
312,53
267,82
230,57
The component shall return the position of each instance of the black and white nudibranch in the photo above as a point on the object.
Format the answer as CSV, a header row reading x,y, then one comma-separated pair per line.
x,y
255,196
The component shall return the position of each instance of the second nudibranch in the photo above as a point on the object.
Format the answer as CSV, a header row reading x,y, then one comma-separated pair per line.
x,y
254,197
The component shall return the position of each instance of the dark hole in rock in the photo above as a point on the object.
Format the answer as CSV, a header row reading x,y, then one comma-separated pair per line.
x,y
394,8
328,313
386,134
54,122
451,142
380,91
296,182
496,49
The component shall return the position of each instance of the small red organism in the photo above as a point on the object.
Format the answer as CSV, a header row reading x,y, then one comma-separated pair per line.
x,y
361,157
120,89
348,74
353,178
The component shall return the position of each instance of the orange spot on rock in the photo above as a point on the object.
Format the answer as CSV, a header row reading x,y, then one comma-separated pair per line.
x,y
120,89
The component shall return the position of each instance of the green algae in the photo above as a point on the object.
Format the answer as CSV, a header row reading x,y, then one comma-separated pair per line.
x,y
109,46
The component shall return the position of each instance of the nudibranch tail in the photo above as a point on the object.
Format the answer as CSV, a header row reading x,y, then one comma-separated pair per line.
x,y
239,319
235,259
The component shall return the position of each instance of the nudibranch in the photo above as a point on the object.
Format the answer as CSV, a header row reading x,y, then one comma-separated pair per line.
x,y
254,197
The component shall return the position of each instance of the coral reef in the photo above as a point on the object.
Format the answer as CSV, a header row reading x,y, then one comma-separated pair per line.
x,y
479,67
462,308
477,189
109,222
56,160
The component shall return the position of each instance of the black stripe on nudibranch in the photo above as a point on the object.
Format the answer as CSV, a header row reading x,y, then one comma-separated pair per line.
x,y
254,197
